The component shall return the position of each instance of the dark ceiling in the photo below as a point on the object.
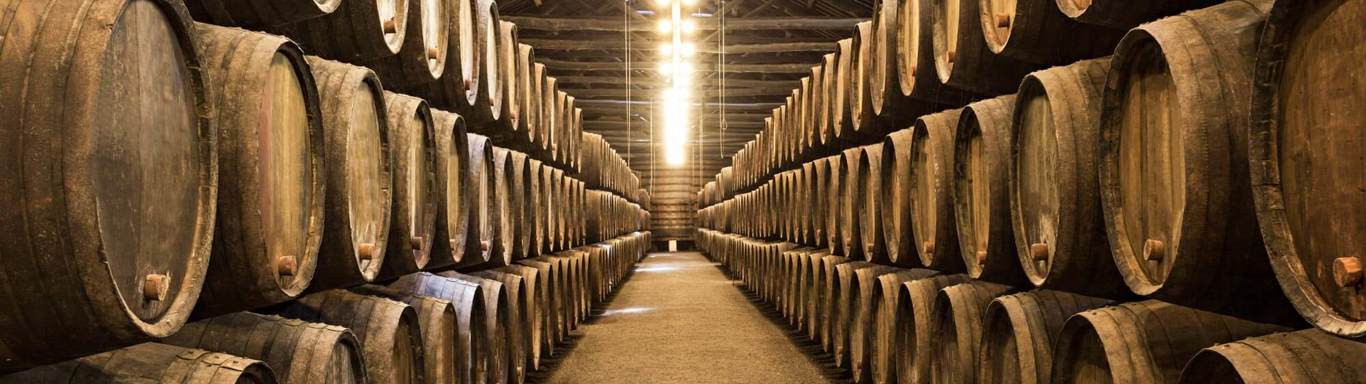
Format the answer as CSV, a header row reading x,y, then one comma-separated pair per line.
x,y
769,46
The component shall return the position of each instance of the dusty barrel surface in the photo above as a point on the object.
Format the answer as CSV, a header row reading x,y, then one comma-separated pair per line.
x,y
1305,161
388,330
358,171
357,31
1054,197
270,175
933,229
422,57
494,360
116,219
1174,173
454,189
961,58
439,324
483,226
886,297
1123,14
530,308
513,326
957,330
895,202
255,15
149,363
916,309
1300,357
915,59
467,298
1035,31
1110,344
1018,333
294,349
865,304
981,191
412,135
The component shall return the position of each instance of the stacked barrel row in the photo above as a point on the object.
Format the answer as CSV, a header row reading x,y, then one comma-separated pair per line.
x,y
915,325
1176,170
269,173
457,54
491,325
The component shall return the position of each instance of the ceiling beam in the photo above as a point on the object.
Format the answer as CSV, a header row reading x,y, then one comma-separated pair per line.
x,y
619,66
742,24
588,93
652,81
651,45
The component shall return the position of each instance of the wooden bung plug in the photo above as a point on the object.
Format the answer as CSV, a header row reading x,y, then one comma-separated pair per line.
x,y
927,247
286,265
1347,271
1002,20
390,25
1038,251
366,251
1154,250
415,242
433,52
154,287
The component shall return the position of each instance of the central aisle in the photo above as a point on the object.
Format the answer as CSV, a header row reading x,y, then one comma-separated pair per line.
x,y
680,320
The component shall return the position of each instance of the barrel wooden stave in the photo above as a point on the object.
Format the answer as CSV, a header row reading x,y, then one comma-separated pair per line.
x,y
358,171
388,330
1307,356
957,330
120,204
1019,330
916,308
289,348
416,194
151,362
357,31
933,229
468,299
981,191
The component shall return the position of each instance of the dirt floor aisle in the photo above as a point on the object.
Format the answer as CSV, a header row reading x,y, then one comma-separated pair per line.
x,y
680,320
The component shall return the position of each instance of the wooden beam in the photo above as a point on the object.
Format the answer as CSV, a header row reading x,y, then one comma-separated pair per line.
x,y
587,93
652,81
639,105
621,66
652,46
742,24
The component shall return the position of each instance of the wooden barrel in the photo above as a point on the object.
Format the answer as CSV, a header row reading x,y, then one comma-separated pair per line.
x,y
151,363
1018,332
812,100
412,135
981,192
834,203
916,310
257,15
1054,200
518,189
865,306
915,54
483,226
505,231
454,185
529,318
807,197
814,292
1036,32
851,202
1109,344
830,300
357,32
509,125
292,348
933,230
388,330
114,220
844,309
895,204
870,215
886,297
842,87
269,224
831,89
528,96
550,108
468,300
422,58
960,59
535,207
547,276
494,333
1300,357
486,92
887,97
358,196
957,330
449,92
559,204
439,323
514,325
1123,15
1312,227
1173,163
